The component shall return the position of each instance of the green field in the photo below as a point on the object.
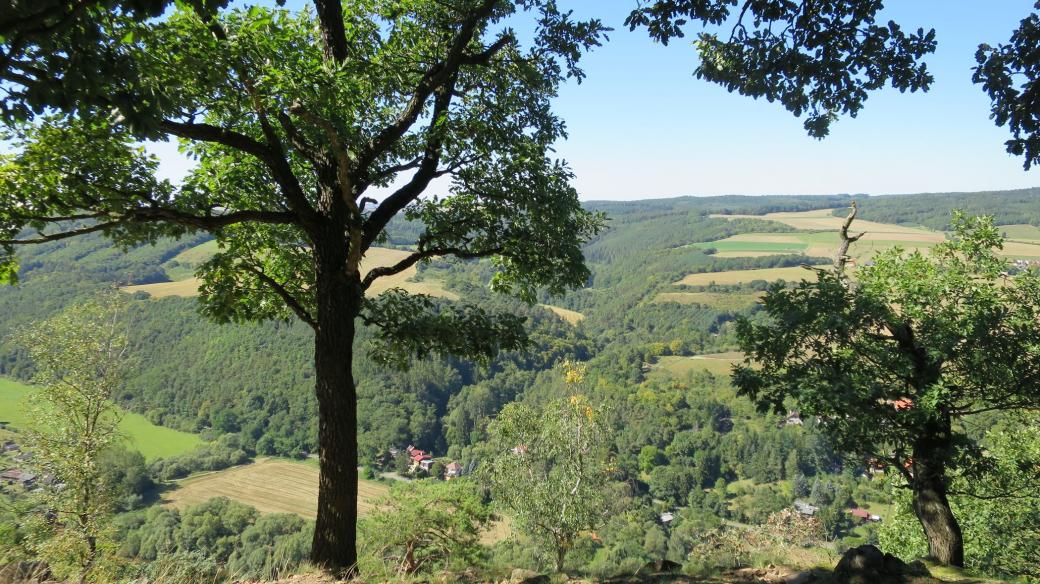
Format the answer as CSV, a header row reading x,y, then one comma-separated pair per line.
x,y
745,245
717,300
719,364
150,440
184,264
1027,232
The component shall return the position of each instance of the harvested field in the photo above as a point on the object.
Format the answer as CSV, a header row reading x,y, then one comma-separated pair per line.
x,y
271,485
571,316
716,363
376,257
183,288
824,220
746,276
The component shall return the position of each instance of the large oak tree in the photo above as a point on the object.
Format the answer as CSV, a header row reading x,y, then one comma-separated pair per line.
x,y
296,120
898,360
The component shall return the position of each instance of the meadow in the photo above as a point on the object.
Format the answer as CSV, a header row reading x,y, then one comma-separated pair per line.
x,y
150,440
719,364
271,485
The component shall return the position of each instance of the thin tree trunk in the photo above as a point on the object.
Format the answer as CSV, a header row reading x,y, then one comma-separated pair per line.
x,y
339,299
930,502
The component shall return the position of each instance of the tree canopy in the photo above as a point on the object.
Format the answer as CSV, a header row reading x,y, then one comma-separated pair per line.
x,y
893,356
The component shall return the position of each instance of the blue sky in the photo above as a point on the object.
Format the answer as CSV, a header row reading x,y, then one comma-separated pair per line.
x,y
642,126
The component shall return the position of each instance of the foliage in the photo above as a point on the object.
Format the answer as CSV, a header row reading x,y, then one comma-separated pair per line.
x,y
550,467
427,525
890,360
794,54
219,533
1000,511
81,358
1008,74
225,452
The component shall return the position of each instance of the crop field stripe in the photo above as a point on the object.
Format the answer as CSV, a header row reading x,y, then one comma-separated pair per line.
x,y
270,485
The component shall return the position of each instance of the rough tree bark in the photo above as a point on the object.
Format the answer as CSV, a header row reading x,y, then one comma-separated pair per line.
x,y
930,501
339,297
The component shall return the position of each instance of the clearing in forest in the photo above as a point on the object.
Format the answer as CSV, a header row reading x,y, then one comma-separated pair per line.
x,y
143,436
714,363
271,485
571,316
184,264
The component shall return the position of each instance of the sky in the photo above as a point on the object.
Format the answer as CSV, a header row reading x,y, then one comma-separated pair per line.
x,y
642,126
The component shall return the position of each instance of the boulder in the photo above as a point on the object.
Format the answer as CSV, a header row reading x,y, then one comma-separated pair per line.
x,y
868,565
521,576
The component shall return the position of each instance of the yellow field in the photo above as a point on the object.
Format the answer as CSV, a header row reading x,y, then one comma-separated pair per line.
x,y
270,485
824,220
571,316
746,276
183,288
715,363
719,300
381,256
376,257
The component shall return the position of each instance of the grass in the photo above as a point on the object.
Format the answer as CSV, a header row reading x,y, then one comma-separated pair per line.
x,y
746,276
717,364
571,316
271,485
182,267
730,301
150,440
754,244
1028,232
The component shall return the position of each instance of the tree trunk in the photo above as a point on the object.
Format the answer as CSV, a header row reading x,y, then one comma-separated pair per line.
x,y
338,304
930,503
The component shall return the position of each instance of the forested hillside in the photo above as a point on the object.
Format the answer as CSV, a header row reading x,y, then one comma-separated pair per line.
x,y
658,349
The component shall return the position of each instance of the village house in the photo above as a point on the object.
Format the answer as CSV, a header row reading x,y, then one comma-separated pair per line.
x,y
794,418
864,515
667,517
17,476
452,470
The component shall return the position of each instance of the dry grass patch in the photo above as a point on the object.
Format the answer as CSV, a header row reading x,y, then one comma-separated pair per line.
x,y
715,363
571,316
182,288
747,276
271,485
824,220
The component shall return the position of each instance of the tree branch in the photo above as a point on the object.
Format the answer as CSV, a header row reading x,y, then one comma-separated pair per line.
x,y
62,235
284,294
842,256
397,201
404,264
433,79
